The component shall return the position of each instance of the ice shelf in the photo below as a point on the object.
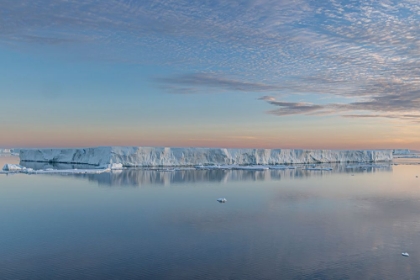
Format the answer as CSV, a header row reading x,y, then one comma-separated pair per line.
x,y
165,156
401,152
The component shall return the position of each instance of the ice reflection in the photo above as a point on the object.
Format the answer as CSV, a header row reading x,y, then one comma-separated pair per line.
x,y
140,177
55,165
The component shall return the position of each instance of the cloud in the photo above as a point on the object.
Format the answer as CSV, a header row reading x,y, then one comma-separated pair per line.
x,y
208,80
389,106
294,108
366,50
267,98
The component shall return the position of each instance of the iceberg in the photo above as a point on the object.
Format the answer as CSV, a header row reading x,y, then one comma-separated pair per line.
x,y
13,167
405,153
203,157
401,152
9,152
5,151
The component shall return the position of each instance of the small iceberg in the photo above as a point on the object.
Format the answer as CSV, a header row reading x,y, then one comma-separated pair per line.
x,y
222,200
405,254
13,167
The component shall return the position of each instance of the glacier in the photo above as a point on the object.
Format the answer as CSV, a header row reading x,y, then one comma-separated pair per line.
x,y
167,156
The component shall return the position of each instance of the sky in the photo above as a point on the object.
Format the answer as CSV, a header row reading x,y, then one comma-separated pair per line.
x,y
329,74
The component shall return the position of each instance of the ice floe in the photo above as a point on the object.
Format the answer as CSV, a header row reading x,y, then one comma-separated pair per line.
x,y
16,168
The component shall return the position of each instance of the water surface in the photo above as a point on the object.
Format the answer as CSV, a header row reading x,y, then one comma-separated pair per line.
x,y
154,224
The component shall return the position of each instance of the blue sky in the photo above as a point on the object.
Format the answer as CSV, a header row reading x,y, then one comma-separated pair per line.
x,y
256,73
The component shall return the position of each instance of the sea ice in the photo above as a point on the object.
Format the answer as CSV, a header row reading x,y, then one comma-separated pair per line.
x,y
15,168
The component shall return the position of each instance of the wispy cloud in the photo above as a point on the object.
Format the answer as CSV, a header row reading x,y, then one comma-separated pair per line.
x,y
294,108
194,82
389,106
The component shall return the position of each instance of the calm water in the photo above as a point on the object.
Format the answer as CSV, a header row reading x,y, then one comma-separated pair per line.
x,y
148,224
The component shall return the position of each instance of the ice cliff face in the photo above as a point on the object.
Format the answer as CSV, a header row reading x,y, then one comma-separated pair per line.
x,y
153,156
401,152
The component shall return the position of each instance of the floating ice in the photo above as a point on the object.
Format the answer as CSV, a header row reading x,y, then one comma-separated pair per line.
x,y
69,171
222,200
5,151
206,157
319,168
9,152
251,167
405,254
281,167
15,168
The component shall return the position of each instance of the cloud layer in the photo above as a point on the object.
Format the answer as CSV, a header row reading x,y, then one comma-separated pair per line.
x,y
366,50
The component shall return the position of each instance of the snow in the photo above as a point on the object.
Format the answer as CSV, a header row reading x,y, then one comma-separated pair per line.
x,y
201,157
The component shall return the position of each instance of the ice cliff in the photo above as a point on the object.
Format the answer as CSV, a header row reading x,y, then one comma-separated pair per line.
x,y
401,152
154,156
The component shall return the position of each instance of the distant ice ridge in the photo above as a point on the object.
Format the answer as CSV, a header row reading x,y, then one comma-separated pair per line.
x,y
401,152
5,151
9,152
405,153
154,156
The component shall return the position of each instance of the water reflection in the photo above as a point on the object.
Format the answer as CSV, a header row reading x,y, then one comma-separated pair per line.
x,y
139,177
330,226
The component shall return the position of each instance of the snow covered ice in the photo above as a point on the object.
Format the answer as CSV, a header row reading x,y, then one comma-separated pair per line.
x,y
200,157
